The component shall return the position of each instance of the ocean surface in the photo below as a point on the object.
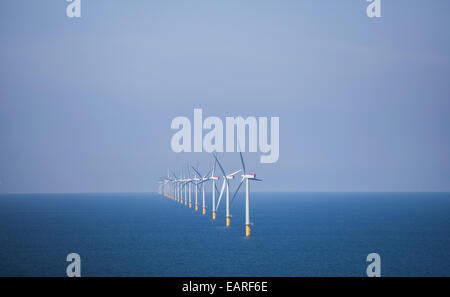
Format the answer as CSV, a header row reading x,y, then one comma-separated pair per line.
x,y
294,234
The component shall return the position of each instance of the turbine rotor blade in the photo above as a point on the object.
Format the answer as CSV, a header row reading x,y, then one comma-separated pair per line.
x,y
221,168
242,161
198,173
217,190
237,190
235,172
221,193
202,181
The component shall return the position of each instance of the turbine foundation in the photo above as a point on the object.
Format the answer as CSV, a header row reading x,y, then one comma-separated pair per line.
x,y
228,221
204,210
214,215
196,207
247,230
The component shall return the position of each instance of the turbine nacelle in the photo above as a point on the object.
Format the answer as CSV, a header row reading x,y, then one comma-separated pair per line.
x,y
232,175
249,176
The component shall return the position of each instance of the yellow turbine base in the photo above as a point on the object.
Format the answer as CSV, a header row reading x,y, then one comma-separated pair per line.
x,y
247,230
185,202
204,210
190,204
228,221
196,207
214,215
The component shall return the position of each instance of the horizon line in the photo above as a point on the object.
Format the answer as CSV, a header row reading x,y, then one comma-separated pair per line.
x,y
286,192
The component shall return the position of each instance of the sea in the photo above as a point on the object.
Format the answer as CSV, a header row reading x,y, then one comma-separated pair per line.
x,y
293,234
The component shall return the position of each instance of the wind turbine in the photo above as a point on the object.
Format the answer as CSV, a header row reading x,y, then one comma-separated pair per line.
x,y
186,182
214,189
196,182
190,191
203,180
246,177
168,184
185,192
226,184
160,185
180,190
164,186
181,187
176,187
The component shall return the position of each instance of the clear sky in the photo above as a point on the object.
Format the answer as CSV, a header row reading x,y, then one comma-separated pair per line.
x,y
86,104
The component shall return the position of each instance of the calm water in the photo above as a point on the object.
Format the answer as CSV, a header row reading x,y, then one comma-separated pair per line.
x,y
294,235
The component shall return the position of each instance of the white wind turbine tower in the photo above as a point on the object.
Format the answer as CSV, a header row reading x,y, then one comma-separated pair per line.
x,y
170,188
190,190
160,186
227,185
246,177
186,182
183,188
196,182
180,190
213,178
203,180
165,182
214,189
169,184
176,188
174,183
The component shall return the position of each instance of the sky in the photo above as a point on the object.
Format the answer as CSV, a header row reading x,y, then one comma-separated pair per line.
x,y
86,104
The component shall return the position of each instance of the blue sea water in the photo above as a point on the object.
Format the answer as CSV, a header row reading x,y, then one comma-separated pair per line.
x,y
294,234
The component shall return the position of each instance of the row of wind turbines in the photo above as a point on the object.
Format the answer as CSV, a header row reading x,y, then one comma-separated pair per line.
x,y
180,189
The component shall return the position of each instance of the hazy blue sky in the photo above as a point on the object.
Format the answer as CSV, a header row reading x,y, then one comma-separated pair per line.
x,y
86,104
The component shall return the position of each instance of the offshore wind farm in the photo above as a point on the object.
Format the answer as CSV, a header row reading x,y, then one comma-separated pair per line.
x,y
176,189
